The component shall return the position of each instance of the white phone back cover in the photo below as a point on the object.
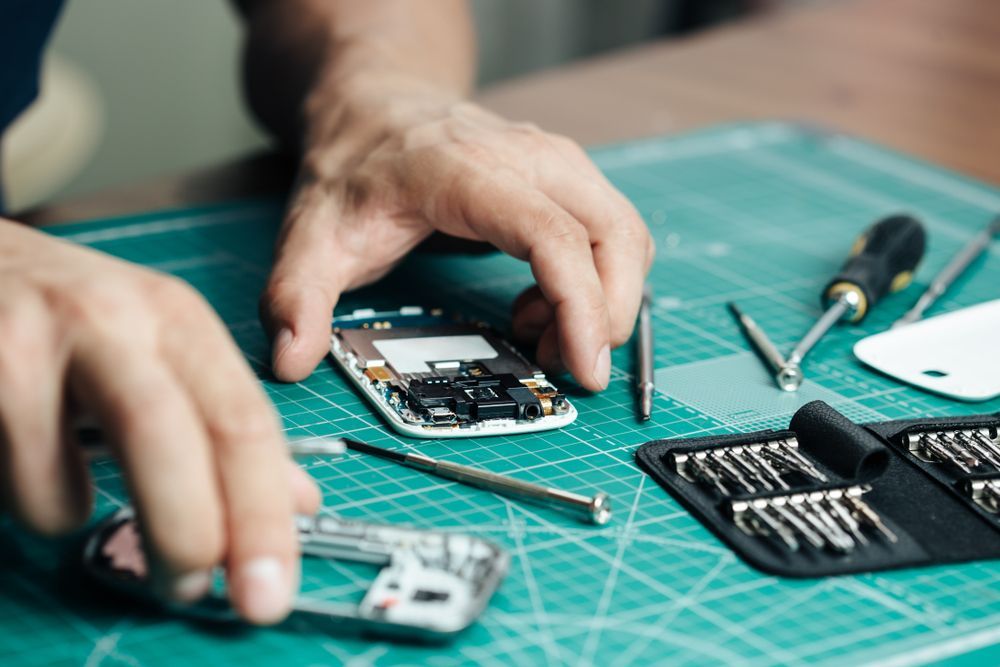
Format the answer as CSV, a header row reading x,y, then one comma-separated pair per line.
x,y
956,354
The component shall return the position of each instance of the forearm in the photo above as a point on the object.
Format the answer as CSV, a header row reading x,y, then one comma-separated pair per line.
x,y
305,56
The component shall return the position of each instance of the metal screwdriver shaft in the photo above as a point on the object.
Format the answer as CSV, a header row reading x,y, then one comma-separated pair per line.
x,y
882,260
644,380
761,342
594,509
789,377
958,264
758,338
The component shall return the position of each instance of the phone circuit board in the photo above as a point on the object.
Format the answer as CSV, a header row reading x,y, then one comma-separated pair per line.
x,y
432,375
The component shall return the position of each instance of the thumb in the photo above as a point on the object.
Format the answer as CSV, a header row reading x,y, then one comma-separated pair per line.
x,y
297,316
297,304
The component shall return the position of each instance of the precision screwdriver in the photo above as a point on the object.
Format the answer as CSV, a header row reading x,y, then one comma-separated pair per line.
x,y
592,509
882,260
958,264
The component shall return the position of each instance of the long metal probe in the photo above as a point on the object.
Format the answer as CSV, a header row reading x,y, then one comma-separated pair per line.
x,y
758,339
943,280
833,314
644,383
595,509
762,343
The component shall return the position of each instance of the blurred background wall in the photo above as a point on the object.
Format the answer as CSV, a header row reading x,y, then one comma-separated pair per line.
x,y
139,88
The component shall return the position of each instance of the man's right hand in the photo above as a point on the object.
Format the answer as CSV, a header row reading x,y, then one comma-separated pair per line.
x,y
198,441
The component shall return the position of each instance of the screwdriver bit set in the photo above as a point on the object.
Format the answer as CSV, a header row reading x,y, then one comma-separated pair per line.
x,y
985,493
962,454
751,468
828,496
966,449
836,519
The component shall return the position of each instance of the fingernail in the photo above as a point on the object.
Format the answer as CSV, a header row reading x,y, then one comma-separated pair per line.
x,y
266,591
602,368
281,343
192,586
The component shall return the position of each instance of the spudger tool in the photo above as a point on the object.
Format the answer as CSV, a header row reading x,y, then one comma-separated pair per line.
x,y
882,260
958,264
596,509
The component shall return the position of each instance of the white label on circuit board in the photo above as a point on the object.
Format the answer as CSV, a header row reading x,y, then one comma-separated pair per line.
x,y
411,355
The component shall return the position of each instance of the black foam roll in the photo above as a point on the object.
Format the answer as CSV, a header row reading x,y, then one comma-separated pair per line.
x,y
849,450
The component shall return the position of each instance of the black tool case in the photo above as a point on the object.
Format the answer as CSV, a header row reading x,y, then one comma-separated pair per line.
x,y
924,501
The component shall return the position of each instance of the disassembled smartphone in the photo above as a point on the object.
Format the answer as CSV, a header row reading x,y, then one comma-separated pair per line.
x,y
434,376
433,584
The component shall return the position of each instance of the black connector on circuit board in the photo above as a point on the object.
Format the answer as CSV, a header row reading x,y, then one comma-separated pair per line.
x,y
443,400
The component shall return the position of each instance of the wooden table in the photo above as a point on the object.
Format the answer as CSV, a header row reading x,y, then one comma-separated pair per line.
x,y
922,76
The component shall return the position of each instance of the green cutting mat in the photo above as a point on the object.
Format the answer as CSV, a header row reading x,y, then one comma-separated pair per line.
x,y
762,214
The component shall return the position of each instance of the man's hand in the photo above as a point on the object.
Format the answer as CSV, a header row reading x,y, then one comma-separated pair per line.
x,y
82,333
371,93
391,164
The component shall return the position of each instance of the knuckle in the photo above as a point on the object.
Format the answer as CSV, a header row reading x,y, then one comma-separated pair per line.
x,y
469,113
133,406
472,154
279,289
232,429
50,519
98,297
620,333
22,339
628,224
197,544
566,145
265,523
423,135
98,304
527,129
596,306
175,296
558,229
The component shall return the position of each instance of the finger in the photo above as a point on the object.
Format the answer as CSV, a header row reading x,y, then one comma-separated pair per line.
x,y
251,460
531,315
43,474
547,352
526,224
306,495
158,437
622,244
304,286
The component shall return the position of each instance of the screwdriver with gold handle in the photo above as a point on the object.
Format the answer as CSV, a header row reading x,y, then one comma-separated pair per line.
x,y
882,260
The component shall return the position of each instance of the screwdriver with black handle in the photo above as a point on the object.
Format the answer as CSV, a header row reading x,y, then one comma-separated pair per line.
x,y
882,260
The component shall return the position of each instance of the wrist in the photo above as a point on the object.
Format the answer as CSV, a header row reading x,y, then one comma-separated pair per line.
x,y
373,92
350,112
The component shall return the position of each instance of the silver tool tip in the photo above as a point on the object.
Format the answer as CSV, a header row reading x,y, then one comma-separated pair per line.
x,y
316,446
600,509
789,378
645,403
